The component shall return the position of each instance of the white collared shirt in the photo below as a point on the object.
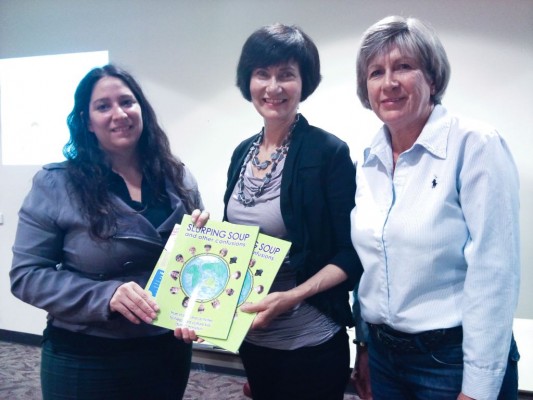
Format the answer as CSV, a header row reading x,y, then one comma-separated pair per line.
x,y
439,240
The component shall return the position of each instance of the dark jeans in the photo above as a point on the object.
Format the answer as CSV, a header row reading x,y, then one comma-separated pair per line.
x,y
435,375
319,372
160,371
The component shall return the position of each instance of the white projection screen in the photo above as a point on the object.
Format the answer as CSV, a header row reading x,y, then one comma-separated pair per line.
x,y
36,95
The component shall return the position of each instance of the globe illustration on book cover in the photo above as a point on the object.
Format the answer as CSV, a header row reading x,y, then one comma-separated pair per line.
x,y
246,287
206,275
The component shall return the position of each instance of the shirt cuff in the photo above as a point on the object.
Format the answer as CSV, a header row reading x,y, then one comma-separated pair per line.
x,y
481,384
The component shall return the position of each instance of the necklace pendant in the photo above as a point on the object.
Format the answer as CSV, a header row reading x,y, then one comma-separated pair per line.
x,y
264,165
245,201
267,179
260,165
277,156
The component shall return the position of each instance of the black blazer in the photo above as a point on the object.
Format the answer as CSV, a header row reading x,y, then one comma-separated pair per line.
x,y
317,196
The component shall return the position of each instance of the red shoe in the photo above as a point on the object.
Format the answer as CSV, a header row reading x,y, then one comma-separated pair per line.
x,y
246,390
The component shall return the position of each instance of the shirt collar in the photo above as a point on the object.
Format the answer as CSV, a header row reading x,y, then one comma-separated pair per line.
x,y
434,138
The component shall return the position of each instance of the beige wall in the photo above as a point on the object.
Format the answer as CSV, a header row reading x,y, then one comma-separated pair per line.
x,y
184,54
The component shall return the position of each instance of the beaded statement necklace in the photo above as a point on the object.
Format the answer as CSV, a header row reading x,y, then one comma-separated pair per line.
x,y
275,158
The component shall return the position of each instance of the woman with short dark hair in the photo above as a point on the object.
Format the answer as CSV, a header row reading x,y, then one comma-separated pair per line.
x,y
296,182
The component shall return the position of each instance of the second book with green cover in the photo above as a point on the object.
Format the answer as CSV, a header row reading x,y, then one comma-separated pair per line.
x,y
200,274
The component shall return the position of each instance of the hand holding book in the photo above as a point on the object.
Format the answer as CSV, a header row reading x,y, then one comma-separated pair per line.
x,y
206,273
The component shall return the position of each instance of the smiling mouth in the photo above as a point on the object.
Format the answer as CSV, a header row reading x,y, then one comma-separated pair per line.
x,y
392,100
274,101
121,128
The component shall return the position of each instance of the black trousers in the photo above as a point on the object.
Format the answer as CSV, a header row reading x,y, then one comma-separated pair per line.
x,y
155,370
318,372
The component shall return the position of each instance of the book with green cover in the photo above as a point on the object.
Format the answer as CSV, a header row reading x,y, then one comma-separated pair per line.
x,y
199,275
264,264
159,271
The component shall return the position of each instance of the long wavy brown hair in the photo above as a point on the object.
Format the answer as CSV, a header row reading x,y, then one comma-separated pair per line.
x,y
89,170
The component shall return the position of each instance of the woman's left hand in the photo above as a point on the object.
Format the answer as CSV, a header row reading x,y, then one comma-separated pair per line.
x,y
270,307
276,303
187,335
199,218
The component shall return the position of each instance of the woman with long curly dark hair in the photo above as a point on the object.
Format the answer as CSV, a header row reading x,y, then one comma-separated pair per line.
x,y
89,167
90,232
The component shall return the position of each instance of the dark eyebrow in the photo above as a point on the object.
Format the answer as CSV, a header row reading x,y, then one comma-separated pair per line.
x,y
287,69
100,100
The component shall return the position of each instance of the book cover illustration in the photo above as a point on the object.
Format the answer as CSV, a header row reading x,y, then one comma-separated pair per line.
x,y
203,276
158,273
267,258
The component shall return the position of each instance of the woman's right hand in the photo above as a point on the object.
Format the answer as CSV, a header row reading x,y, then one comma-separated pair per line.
x,y
361,374
200,218
134,303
